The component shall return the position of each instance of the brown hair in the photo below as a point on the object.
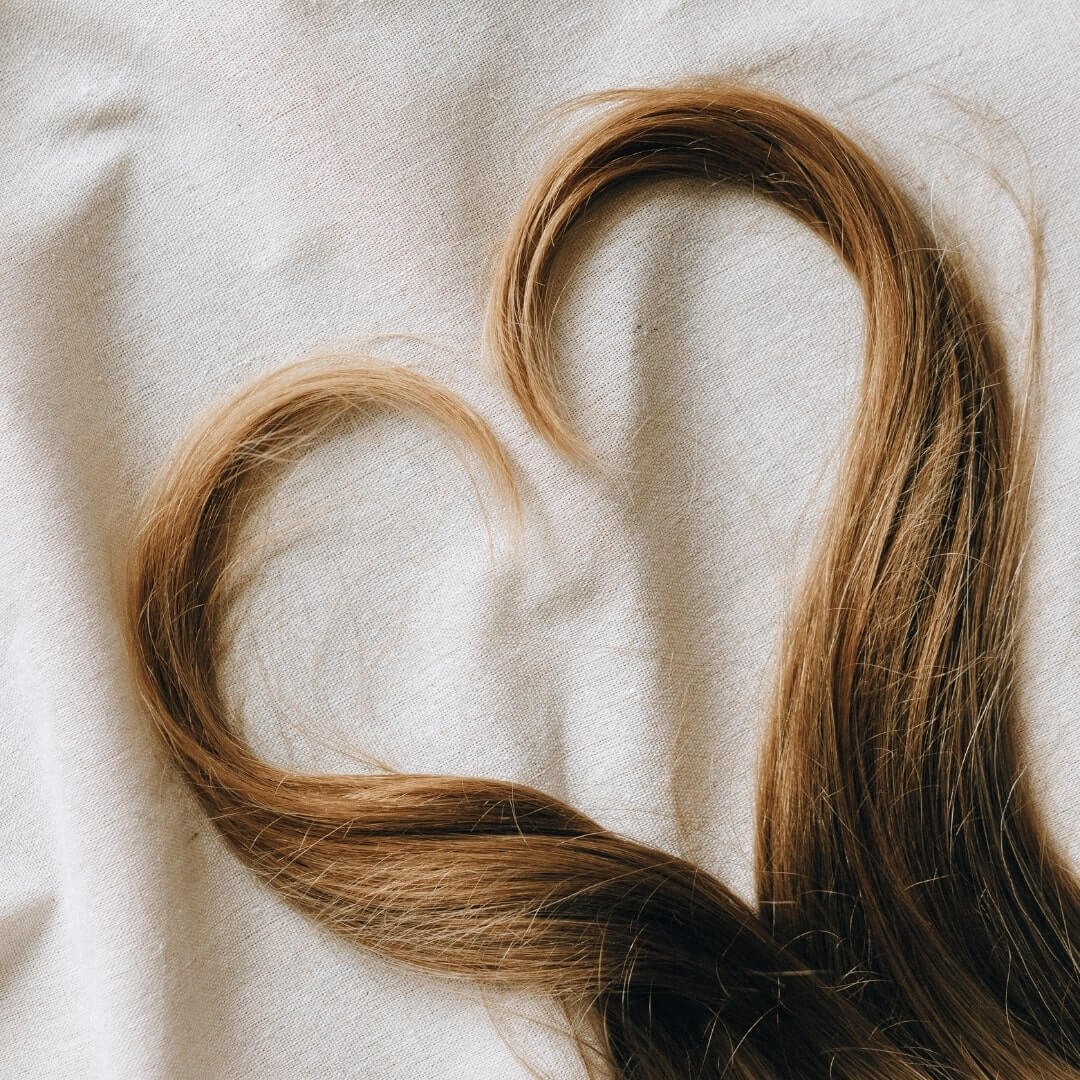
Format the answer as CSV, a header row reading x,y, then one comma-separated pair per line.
x,y
461,876
898,841
898,846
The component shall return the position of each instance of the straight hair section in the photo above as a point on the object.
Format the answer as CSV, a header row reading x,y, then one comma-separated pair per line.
x,y
899,843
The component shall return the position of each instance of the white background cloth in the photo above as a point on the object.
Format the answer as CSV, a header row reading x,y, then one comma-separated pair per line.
x,y
194,194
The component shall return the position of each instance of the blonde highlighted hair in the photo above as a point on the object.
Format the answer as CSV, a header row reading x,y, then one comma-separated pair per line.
x,y
914,919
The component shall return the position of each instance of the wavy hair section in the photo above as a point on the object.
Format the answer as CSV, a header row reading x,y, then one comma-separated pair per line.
x,y
899,842
673,975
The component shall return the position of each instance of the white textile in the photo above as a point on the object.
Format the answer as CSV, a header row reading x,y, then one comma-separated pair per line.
x,y
196,193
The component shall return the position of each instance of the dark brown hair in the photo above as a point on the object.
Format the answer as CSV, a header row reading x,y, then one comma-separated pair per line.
x,y
898,839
